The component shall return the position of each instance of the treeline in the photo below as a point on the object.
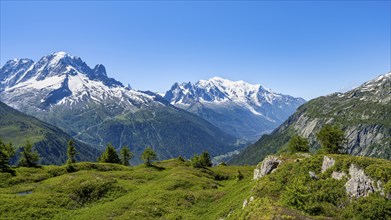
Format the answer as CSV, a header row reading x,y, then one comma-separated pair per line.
x,y
29,157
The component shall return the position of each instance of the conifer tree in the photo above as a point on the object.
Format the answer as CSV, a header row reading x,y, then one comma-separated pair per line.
x,y
29,157
71,152
6,153
331,139
125,155
110,155
148,156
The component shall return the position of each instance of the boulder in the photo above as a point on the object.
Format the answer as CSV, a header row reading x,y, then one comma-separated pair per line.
x,y
268,165
244,203
313,175
327,163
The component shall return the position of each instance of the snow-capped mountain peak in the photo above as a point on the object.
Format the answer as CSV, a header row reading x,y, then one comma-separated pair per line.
x,y
218,89
243,109
63,79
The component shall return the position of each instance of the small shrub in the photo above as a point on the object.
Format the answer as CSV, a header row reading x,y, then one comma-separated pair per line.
x,y
239,176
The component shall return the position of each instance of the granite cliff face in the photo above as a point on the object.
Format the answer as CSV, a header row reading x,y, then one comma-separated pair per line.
x,y
364,113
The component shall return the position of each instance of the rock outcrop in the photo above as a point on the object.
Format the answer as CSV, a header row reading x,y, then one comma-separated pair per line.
x,y
327,163
268,165
359,184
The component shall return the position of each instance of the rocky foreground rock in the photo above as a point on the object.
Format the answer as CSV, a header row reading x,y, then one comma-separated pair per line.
x,y
358,183
269,164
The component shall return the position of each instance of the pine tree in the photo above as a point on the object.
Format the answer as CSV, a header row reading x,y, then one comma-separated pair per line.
x,y
331,139
125,155
6,153
148,156
71,152
29,157
205,159
110,155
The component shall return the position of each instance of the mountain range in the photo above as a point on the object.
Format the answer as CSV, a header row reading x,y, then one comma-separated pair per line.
x,y
364,113
64,91
241,109
216,115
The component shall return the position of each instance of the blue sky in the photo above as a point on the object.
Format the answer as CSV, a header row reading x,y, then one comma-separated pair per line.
x,y
299,48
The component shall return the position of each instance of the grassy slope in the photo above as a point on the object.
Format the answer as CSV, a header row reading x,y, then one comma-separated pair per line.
x,y
171,190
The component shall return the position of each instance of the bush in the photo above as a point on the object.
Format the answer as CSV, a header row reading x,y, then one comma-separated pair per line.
x,y
298,144
369,207
201,161
296,195
239,176
92,190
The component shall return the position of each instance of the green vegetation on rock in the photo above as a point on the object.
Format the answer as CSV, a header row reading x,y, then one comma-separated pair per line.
x,y
290,192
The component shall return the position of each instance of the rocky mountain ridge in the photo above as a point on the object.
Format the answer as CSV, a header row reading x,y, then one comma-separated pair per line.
x,y
363,113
